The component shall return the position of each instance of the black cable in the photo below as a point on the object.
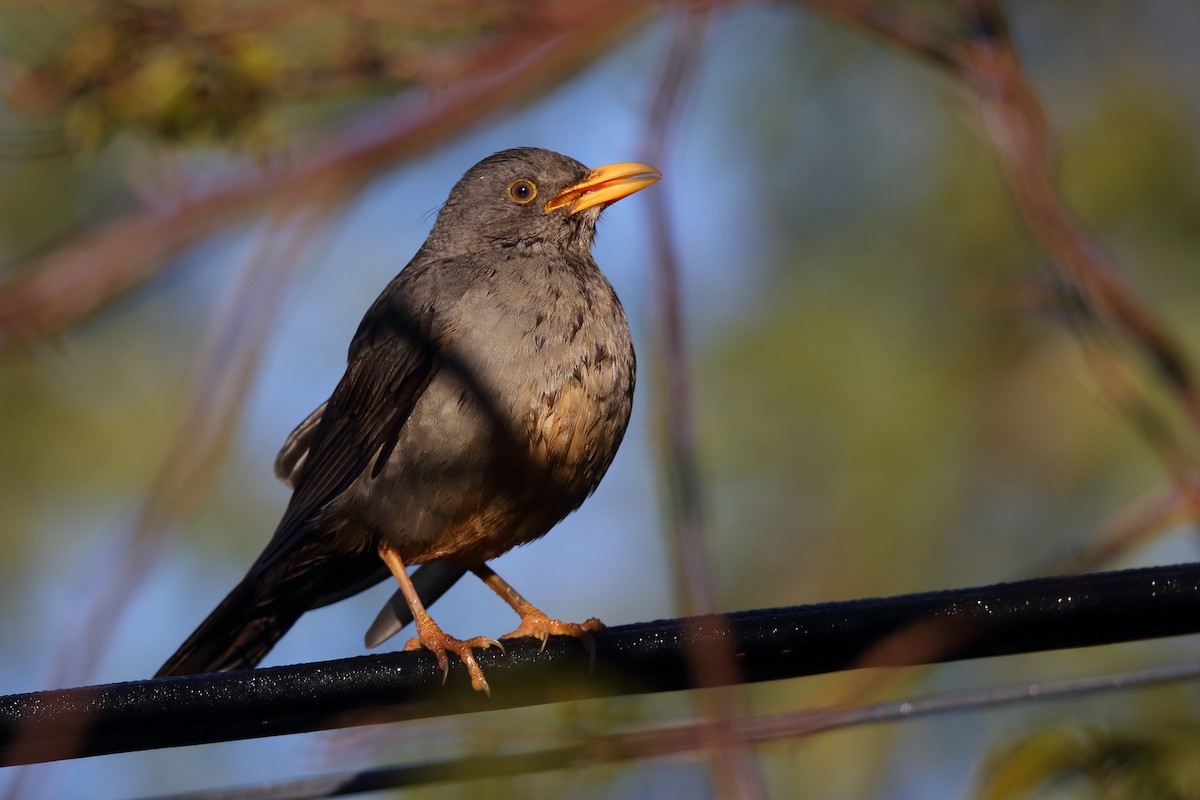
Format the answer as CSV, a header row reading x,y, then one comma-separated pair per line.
x,y
1028,616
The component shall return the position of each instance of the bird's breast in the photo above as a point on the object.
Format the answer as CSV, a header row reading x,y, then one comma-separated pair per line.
x,y
517,429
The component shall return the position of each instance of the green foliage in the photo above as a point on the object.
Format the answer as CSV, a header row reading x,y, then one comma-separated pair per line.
x,y
1156,761
211,71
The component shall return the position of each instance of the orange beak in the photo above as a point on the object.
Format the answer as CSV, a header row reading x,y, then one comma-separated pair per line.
x,y
604,185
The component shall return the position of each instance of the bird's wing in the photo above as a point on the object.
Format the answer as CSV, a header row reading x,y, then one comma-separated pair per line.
x,y
392,360
291,455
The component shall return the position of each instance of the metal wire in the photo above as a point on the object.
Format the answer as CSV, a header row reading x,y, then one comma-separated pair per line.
x,y
1028,616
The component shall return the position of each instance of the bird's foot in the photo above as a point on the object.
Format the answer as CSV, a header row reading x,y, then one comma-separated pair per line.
x,y
542,627
431,637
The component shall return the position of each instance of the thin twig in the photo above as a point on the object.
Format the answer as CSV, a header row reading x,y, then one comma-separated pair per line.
x,y
216,394
685,502
734,770
667,740
1016,125
899,28
983,57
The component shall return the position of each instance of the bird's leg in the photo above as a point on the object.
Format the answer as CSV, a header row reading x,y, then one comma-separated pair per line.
x,y
533,621
429,633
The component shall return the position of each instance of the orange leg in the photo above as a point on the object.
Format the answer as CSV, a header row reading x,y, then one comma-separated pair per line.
x,y
533,621
430,635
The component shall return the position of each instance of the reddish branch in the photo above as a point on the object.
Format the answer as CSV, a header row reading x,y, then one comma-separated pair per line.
x,y
72,282
982,56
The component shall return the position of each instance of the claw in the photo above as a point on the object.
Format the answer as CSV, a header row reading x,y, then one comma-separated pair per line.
x,y
432,638
589,644
429,635
541,627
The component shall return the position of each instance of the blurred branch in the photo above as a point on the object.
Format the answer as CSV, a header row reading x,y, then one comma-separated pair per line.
x,y
901,29
666,740
734,771
927,641
1150,515
219,382
1029,616
981,54
1016,125
224,373
685,502
1101,305
70,283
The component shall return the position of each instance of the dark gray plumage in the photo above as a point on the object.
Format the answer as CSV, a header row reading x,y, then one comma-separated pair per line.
x,y
486,392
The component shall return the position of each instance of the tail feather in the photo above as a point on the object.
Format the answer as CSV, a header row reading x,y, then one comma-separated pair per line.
x,y
238,634
431,581
241,631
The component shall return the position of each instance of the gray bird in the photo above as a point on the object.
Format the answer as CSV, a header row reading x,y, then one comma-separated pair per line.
x,y
486,392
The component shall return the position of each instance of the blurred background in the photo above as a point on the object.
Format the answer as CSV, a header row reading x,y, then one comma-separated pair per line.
x,y
199,199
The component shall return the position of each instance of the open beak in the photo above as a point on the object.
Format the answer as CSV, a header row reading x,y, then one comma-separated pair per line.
x,y
604,185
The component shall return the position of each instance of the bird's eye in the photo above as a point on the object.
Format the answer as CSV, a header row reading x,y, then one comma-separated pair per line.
x,y
522,191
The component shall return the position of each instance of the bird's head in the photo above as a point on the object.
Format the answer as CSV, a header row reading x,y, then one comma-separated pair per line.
x,y
533,199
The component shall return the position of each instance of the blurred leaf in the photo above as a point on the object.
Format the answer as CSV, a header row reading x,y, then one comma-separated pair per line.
x,y
1034,761
212,70
1161,762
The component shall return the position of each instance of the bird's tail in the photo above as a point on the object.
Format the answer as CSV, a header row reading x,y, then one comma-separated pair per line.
x,y
266,604
431,581
236,635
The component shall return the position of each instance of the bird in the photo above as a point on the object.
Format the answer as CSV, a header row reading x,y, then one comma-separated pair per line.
x,y
486,392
